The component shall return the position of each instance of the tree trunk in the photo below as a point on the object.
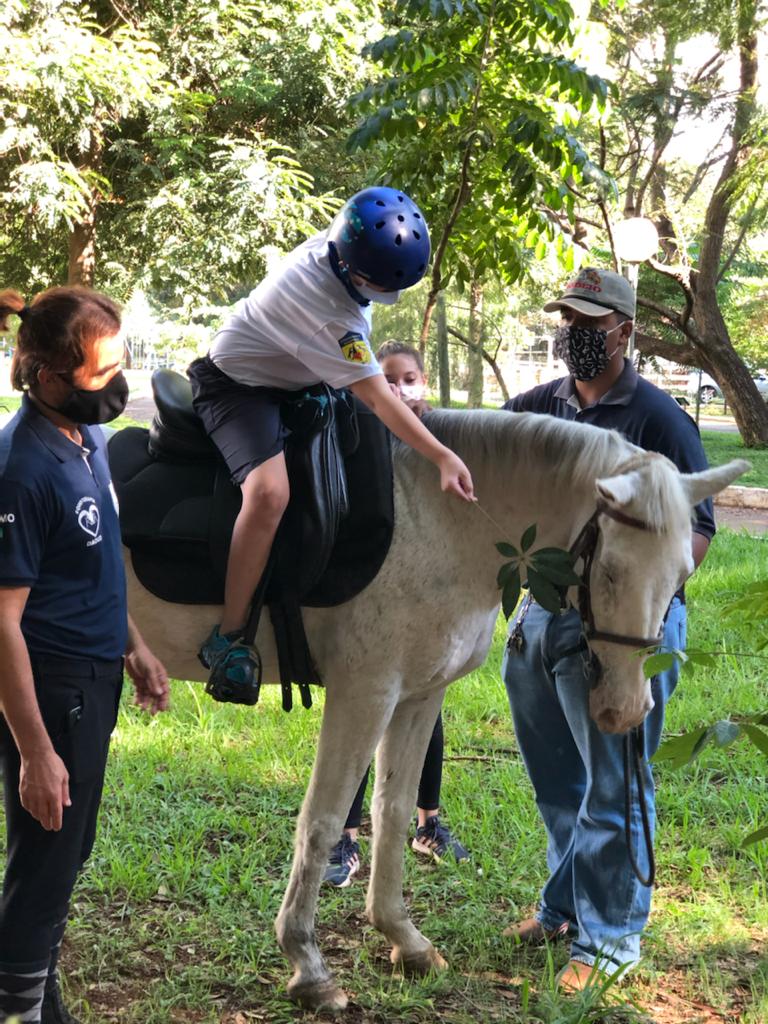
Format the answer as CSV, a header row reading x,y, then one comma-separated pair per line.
x,y
717,354
706,340
82,250
82,237
443,359
677,352
489,359
475,354
719,359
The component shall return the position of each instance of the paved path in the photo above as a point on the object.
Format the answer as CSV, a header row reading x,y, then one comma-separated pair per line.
x,y
723,424
753,520
140,409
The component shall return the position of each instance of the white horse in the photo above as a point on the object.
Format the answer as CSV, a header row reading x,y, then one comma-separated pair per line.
x,y
427,619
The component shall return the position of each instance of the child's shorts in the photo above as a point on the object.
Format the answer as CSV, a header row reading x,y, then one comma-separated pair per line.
x,y
243,422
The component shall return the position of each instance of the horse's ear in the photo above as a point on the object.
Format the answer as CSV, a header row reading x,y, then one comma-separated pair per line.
x,y
618,491
702,485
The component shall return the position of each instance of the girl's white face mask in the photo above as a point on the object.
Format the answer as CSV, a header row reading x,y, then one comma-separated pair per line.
x,y
385,298
412,392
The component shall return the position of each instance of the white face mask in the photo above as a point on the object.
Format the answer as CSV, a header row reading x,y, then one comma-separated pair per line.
x,y
412,392
385,298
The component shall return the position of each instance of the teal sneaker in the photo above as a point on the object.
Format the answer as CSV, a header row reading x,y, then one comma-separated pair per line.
x,y
235,668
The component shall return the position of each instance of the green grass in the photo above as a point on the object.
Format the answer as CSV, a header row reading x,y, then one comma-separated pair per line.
x,y
172,920
721,447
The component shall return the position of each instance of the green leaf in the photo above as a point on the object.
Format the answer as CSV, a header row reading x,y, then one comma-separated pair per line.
x,y
658,663
504,573
544,592
755,837
680,750
723,733
510,594
556,565
528,537
508,550
757,736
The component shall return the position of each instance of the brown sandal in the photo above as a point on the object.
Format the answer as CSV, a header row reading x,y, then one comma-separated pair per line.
x,y
531,932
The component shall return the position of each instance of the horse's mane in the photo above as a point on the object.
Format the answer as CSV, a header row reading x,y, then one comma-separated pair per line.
x,y
564,453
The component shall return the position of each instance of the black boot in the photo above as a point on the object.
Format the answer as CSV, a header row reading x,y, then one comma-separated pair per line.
x,y
54,1011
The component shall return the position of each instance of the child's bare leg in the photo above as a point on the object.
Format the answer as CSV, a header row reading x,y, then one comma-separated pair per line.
x,y
265,496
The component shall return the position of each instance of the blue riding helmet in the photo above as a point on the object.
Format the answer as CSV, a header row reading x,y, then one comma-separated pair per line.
x,y
381,234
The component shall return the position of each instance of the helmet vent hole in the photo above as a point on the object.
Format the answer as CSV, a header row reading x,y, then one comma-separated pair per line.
x,y
417,215
400,217
416,235
401,199
380,202
380,224
399,240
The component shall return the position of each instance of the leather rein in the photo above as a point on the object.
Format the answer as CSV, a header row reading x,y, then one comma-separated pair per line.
x,y
584,547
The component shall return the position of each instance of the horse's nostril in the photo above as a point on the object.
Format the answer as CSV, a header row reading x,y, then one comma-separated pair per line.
x,y
608,720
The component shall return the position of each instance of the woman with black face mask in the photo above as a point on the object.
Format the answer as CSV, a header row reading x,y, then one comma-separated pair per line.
x,y
65,634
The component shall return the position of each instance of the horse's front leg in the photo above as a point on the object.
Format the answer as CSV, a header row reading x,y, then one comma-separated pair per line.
x,y
348,737
399,763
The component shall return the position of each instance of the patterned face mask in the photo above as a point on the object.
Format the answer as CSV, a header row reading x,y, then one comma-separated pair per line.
x,y
583,350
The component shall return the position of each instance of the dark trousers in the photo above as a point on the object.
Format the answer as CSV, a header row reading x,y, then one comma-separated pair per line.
x,y
78,701
429,784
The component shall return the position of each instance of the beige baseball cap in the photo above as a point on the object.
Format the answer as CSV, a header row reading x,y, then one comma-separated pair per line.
x,y
595,293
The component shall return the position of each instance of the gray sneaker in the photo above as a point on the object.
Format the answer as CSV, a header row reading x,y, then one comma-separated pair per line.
x,y
436,841
343,863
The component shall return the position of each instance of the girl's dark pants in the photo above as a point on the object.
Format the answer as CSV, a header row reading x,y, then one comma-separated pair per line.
x,y
429,785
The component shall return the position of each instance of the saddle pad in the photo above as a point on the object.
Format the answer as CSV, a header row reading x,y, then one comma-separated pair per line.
x,y
177,518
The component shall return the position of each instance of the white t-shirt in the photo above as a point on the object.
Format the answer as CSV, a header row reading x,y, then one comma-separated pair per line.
x,y
298,327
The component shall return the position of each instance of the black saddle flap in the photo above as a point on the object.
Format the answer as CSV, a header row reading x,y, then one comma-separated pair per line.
x,y
176,432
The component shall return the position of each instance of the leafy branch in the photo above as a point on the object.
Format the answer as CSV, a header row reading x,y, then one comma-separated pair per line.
x,y
548,572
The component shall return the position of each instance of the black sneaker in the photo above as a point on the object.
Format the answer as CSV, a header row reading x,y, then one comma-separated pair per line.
x,y
343,863
53,1010
435,840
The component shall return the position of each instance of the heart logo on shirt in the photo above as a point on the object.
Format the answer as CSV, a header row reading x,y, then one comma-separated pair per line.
x,y
89,519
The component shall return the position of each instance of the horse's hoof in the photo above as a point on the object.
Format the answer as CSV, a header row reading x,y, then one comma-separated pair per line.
x,y
418,964
322,995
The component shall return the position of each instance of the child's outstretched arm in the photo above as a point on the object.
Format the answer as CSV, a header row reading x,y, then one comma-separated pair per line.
x,y
395,414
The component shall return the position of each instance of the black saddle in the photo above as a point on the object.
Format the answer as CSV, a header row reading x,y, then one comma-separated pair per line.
x,y
178,507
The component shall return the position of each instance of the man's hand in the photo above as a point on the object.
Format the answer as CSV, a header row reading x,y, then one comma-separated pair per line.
x,y
149,679
44,788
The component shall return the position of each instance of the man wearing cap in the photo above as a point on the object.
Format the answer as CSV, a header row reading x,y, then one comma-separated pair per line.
x,y
592,896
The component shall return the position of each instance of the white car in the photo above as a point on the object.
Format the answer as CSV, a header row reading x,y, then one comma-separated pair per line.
x,y
709,389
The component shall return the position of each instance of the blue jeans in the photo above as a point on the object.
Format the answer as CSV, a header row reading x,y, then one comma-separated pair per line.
x,y
578,779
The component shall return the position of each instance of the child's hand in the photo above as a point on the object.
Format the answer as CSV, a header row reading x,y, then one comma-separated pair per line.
x,y
455,478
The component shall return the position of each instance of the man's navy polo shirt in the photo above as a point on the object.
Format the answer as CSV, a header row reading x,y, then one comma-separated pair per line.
x,y
60,536
641,412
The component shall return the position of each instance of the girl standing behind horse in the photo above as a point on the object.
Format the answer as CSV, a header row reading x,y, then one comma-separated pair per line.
x,y
403,368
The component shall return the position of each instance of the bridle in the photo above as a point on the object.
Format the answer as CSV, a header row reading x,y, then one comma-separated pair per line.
x,y
584,547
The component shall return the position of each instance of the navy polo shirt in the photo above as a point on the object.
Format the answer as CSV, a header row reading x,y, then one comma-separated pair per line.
x,y
641,412
60,536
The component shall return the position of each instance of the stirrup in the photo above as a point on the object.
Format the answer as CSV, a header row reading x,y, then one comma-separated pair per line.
x,y
236,675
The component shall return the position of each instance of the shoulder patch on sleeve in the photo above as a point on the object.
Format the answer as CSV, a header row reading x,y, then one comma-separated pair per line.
x,y
355,348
